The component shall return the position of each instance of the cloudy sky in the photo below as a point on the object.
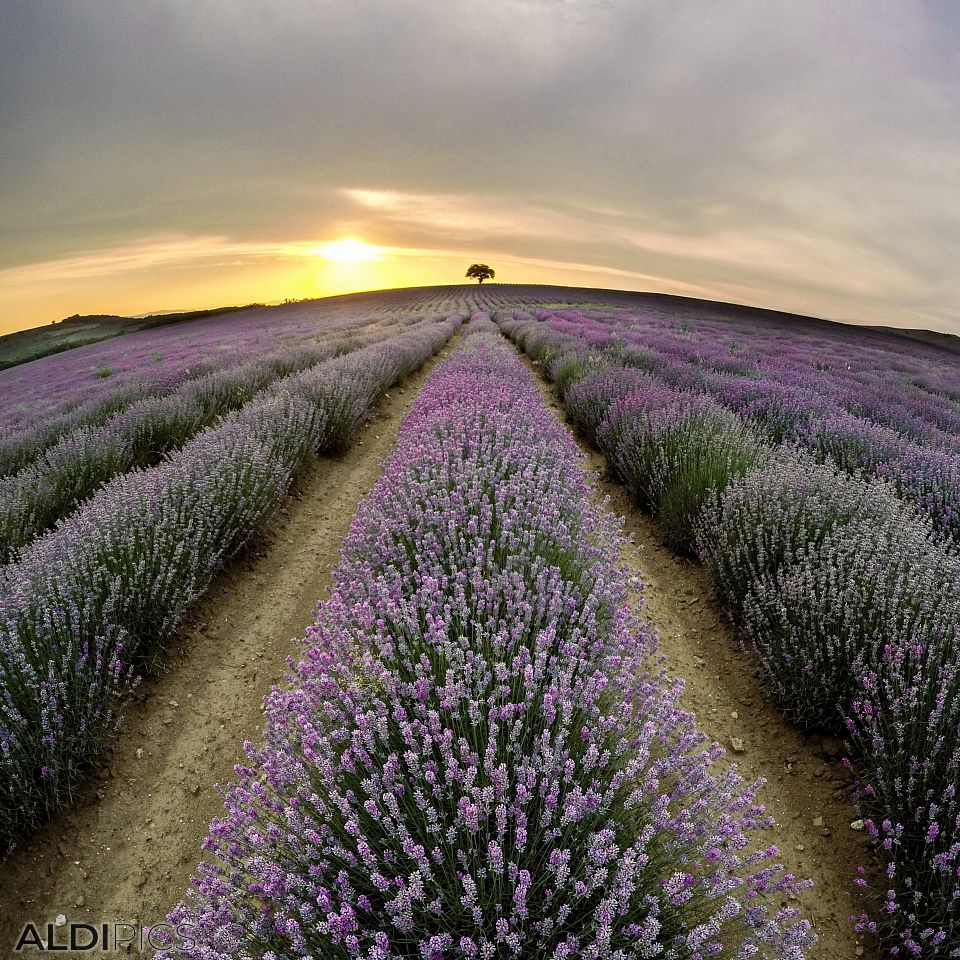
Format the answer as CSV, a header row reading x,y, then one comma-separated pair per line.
x,y
171,154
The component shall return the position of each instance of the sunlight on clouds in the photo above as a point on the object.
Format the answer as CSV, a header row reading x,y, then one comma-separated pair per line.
x,y
671,259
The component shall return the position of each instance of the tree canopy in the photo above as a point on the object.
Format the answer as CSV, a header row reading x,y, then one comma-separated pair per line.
x,y
480,272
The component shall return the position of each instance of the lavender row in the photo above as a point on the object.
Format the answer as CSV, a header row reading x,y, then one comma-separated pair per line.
x,y
159,356
140,434
788,368
89,606
32,500
848,599
674,449
473,758
87,399
86,375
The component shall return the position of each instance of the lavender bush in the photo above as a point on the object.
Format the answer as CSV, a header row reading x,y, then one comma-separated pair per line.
x,y
930,479
588,401
851,604
854,444
904,724
832,609
675,452
701,454
473,759
790,504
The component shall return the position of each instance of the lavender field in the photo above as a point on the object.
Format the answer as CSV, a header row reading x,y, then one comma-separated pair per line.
x,y
478,747
815,472
146,508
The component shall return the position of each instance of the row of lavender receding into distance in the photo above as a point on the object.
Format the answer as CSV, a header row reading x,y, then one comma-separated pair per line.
x,y
843,393
475,756
94,382
89,606
138,435
844,585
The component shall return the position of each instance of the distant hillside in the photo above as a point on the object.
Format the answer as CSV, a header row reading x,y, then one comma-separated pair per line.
x,y
947,341
77,331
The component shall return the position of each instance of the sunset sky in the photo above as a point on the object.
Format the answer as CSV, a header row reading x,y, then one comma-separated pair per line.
x,y
175,154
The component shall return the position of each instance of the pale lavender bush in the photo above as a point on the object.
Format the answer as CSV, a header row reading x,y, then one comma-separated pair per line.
x,y
792,503
851,605
831,610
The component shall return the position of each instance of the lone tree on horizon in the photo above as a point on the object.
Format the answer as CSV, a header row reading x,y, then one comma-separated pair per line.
x,y
480,272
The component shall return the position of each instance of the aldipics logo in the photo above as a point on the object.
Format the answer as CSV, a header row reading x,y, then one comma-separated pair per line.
x,y
117,936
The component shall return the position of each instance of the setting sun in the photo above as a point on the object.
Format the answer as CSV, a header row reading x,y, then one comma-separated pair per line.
x,y
349,251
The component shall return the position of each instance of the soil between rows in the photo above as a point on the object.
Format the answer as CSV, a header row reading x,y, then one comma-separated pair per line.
x,y
128,848
807,789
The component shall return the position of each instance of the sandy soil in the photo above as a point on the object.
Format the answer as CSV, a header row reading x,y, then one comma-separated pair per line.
x,y
807,789
128,848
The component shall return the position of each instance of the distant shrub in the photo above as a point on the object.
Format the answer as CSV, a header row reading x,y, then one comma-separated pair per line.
x,y
640,357
782,411
104,372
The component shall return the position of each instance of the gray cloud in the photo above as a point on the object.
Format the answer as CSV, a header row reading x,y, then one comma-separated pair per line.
x,y
802,153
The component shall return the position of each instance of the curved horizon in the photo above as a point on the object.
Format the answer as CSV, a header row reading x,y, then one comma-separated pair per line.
x,y
174,155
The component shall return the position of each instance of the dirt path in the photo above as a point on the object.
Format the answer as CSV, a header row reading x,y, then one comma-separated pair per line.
x,y
807,788
129,847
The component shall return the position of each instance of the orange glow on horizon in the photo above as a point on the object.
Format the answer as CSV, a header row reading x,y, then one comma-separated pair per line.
x,y
180,272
